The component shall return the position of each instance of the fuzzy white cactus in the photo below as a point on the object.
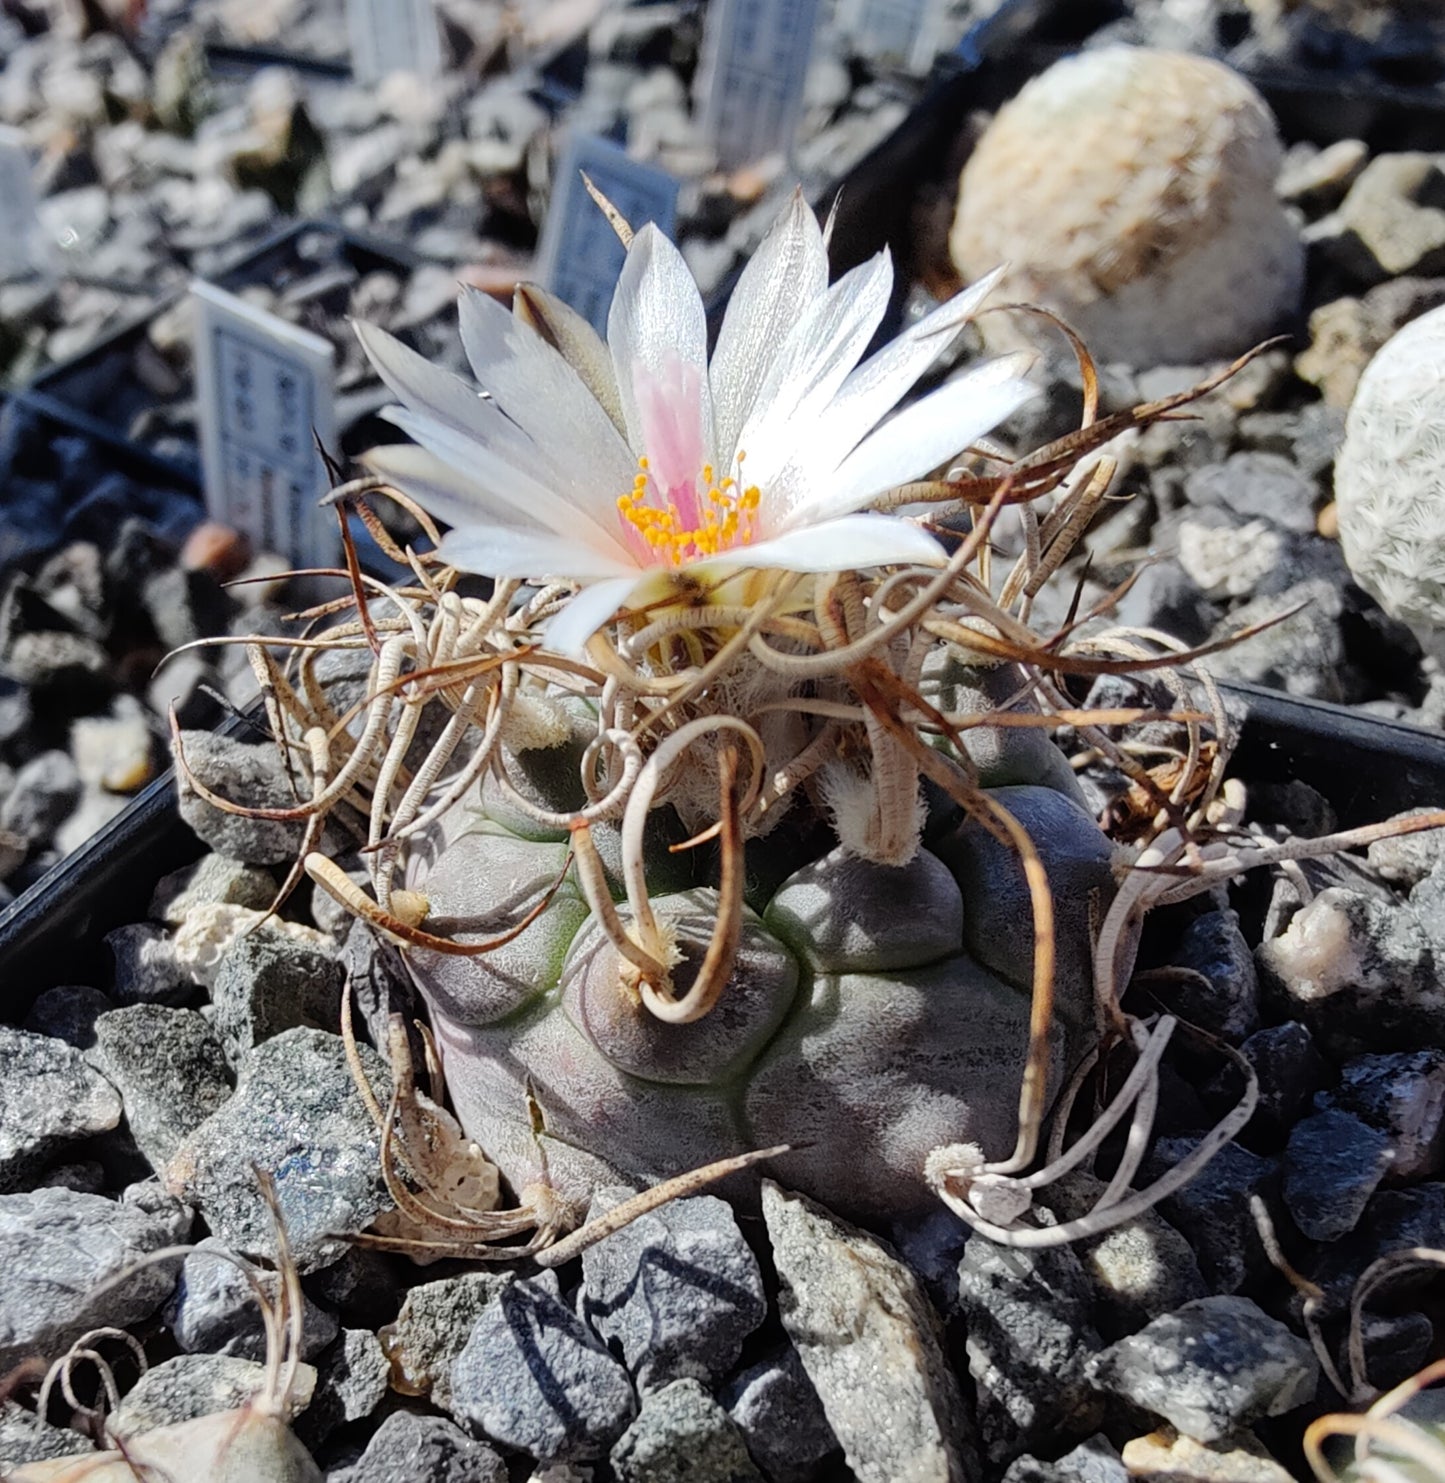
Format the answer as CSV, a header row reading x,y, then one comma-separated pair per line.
x,y
1133,192
1390,478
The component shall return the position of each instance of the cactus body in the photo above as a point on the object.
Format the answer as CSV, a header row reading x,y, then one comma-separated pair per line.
x,y
873,1013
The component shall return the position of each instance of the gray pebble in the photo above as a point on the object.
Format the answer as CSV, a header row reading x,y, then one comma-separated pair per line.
x,y
1257,486
775,1406
249,772
423,1449
1289,1070
213,879
432,1329
870,1343
24,1437
682,1435
57,1247
533,1377
297,1114
169,1069
69,1012
351,1382
194,1385
1094,1461
1030,1335
267,982
49,1097
45,791
1226,1003
1212,1210
146,970
677,1290
214,1310
1215,1365
1403,1095
1333,1163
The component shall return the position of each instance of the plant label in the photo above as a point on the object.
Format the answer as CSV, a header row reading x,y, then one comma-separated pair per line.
x,y
750,83
265,394
902,34
393,36
19,223
580,256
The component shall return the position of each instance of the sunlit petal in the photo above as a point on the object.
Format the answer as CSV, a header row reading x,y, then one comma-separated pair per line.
x,y
496,551
568,631
852,543
784,276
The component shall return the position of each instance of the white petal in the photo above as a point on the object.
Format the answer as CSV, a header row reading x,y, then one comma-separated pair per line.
x,y
548,400
420,385
877,386
657,319
438,488
577,343
815,360
501,485
787,272
495,551
429,391
852,543
568,631
920,438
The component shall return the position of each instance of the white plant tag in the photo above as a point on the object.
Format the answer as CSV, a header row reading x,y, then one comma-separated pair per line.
x,y
580,256
265,394
905,34
750,83
19,224
393,36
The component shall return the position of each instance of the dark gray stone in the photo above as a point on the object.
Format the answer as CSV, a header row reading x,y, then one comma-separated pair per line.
x,y
49,1097
1216,1365
1029,1335
533,1377
212,880
297,1114
351,1382
677,1291
214,1310
267,982
1226,1003
682,1435
1212,1210
1304,654
58,1247
1403,1095
777,1409
1333,1163
69,1012
422,1449
1393,1220
1289,1068
169,1069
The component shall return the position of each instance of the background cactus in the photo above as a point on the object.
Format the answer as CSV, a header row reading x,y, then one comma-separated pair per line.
x,y
1389,482
1132,191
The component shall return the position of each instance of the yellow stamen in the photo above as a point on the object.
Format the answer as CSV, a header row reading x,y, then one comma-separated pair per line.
x,y
728,517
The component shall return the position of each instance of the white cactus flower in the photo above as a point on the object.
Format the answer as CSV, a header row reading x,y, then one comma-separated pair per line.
x,y
627,466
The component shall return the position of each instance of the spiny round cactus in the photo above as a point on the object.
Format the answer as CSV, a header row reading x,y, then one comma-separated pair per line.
x,y
1132,191
1390,479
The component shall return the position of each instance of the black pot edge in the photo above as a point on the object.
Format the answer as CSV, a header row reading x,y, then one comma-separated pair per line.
x,y
1368,768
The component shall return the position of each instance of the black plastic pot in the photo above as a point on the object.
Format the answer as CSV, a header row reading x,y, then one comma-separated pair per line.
x,y
1366,768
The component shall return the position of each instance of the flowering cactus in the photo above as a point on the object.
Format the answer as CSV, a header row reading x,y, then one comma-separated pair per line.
x,y
729,819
